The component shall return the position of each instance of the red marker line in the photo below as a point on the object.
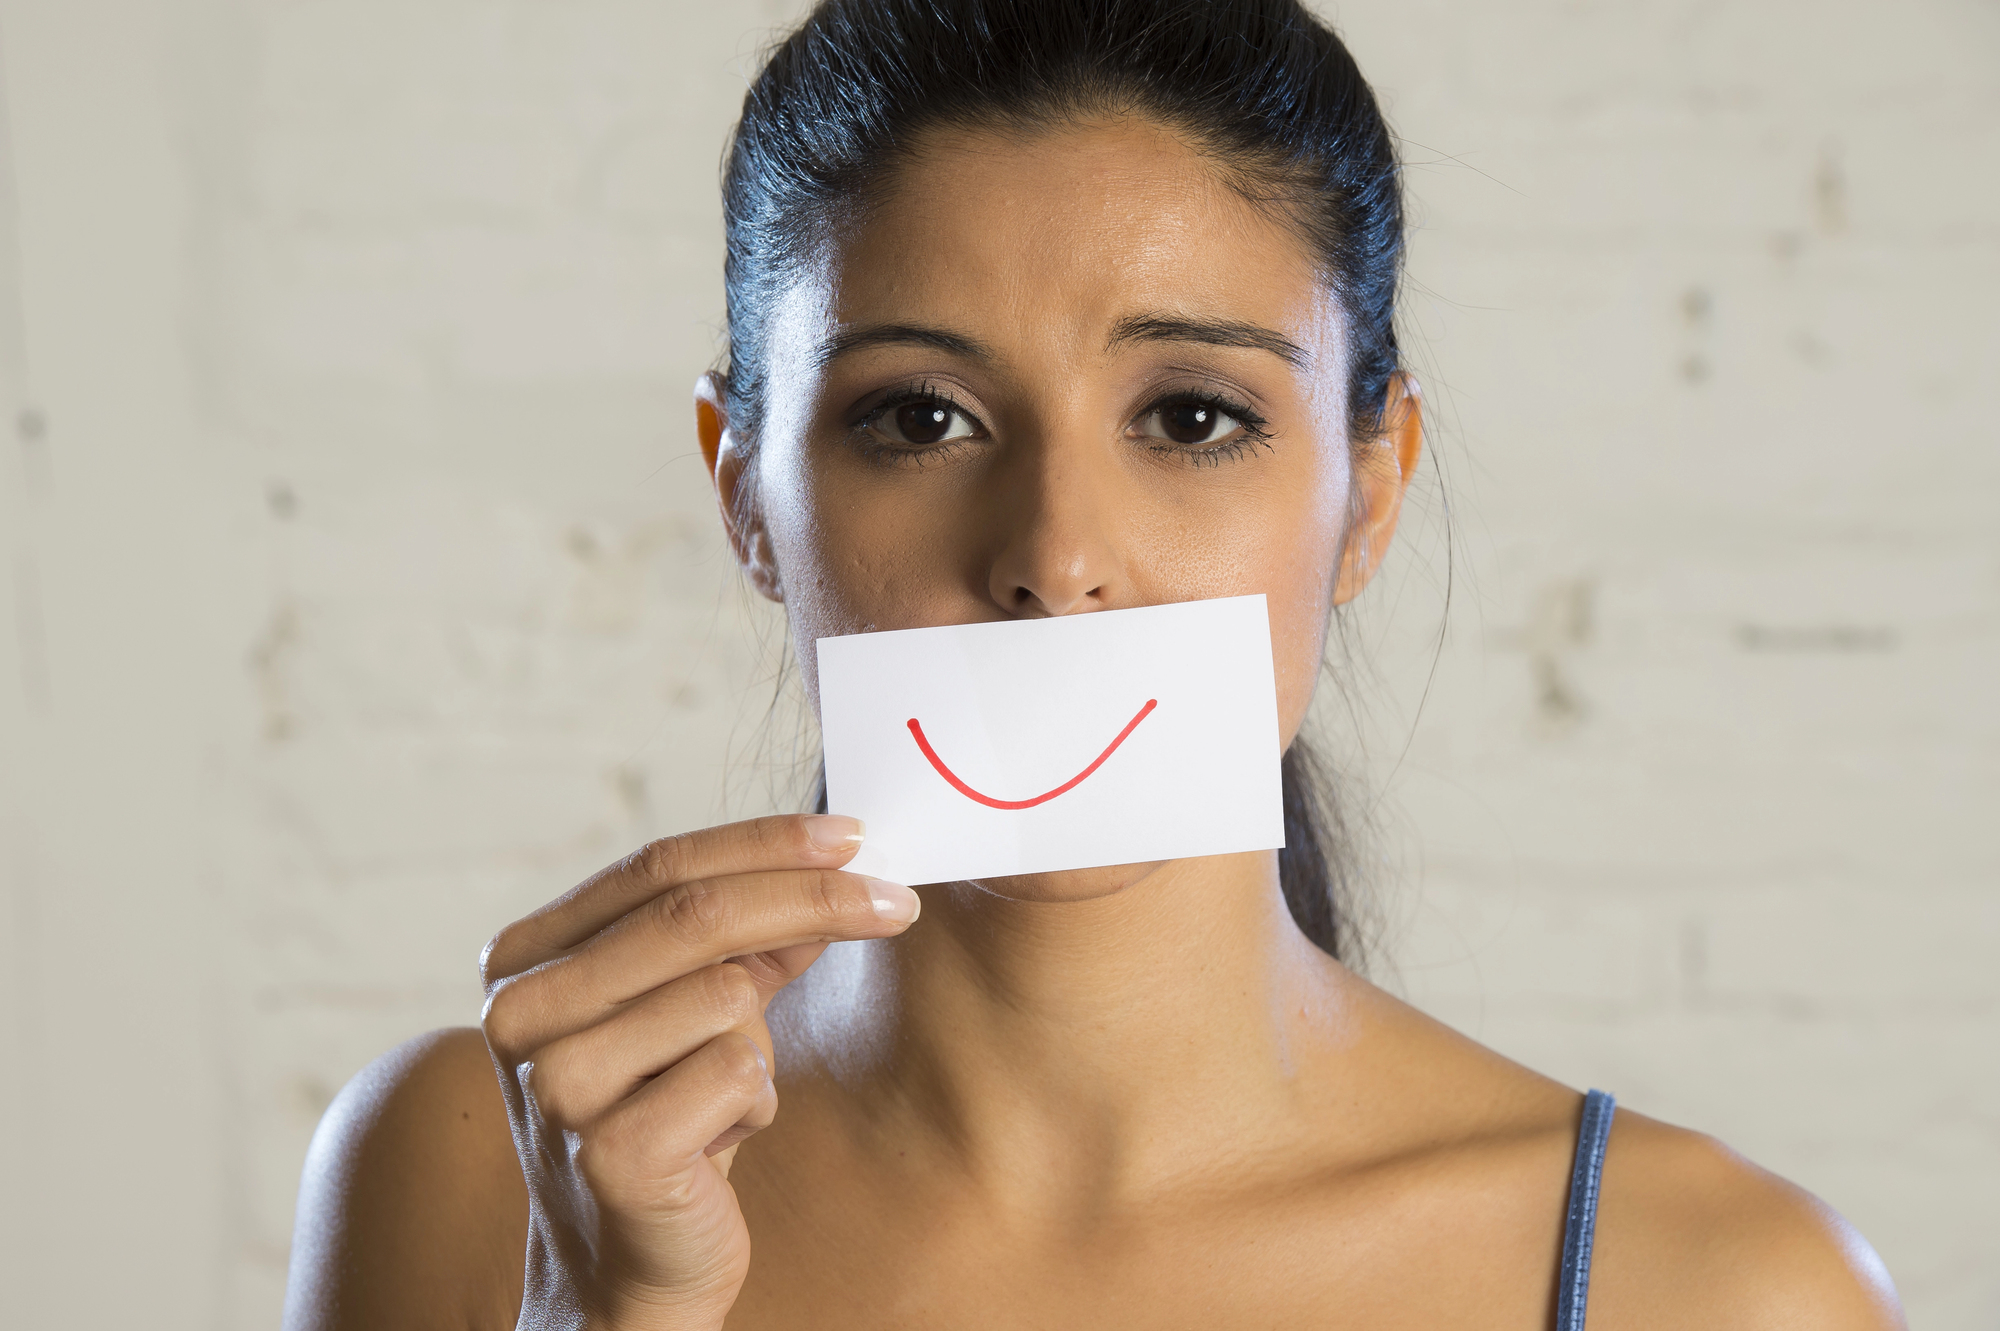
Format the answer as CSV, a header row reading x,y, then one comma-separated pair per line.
x,y
971,794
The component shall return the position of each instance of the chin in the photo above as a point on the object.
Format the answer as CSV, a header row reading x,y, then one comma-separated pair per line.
x,y
1068,885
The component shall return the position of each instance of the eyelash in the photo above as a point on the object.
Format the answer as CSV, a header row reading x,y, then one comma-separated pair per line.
x,y
1253,435
877,449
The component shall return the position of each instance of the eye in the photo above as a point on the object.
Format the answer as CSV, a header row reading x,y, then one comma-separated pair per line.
x,y
1189,421
924,421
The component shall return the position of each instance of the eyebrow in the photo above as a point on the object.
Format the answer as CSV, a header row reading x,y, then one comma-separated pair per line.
x,y
1210,332
1134,328
905,335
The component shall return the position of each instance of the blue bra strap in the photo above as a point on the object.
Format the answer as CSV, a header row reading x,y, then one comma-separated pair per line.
x,y
1581,1226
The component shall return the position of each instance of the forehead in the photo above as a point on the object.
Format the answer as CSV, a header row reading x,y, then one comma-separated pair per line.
x,y
1053,236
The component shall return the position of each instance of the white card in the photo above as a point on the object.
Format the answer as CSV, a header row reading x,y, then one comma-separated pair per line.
x,y
1031,745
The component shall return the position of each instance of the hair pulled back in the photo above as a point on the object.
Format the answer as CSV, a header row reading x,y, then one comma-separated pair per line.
x,y
1261,88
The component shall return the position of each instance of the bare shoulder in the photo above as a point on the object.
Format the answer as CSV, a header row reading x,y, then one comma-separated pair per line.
x,y
1692,1234
412,1209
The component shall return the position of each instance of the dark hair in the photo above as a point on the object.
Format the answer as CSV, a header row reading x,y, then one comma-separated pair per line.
x,y
1259,87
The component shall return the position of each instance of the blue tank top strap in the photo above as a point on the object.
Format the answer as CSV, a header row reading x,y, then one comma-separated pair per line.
x,y
1580,1228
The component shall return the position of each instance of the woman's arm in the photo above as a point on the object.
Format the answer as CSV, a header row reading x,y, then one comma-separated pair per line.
x,y
413,1211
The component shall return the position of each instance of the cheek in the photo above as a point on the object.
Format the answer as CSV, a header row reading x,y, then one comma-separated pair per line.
x,y
852,556
1282,537
1305,571
805,551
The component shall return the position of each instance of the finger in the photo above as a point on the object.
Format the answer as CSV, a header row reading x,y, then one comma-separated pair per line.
x,y
795,841
580,1076
667,1127
779,966
577,1078
680,931
761,1116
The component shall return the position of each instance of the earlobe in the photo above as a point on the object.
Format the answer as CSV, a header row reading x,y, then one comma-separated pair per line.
x,y
1381,477
735,495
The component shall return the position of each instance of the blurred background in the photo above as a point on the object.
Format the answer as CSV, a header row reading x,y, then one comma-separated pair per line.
x,y
362,589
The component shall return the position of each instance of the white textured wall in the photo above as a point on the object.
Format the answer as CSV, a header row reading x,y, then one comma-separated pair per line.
x,y
361,590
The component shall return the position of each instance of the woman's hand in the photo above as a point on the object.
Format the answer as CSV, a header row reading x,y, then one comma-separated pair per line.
x,y
627,1021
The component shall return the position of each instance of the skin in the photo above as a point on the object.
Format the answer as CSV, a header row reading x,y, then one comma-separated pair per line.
x,y
1115,1097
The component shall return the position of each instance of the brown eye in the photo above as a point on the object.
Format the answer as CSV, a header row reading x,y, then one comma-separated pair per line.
x,y
927,421
1189,422
922,422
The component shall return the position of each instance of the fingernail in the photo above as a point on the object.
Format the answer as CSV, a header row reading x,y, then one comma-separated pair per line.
x,y
830,831
893,901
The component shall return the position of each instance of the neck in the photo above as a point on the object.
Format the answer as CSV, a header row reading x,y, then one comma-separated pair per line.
x,y
1112,1035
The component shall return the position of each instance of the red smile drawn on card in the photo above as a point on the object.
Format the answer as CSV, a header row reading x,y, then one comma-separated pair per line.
x,y
917,729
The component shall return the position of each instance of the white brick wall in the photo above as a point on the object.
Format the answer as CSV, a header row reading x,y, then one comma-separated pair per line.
x,y
362,590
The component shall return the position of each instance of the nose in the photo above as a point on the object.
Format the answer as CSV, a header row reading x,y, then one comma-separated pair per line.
x,y
1059,551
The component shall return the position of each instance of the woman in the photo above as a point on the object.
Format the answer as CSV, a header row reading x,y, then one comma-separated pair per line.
x,y
1036,307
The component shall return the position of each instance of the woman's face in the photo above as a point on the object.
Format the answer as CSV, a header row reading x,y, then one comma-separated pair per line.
x,y
1052,375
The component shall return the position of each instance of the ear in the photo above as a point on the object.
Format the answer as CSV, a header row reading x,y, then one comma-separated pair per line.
x,y
728,471
1382,474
